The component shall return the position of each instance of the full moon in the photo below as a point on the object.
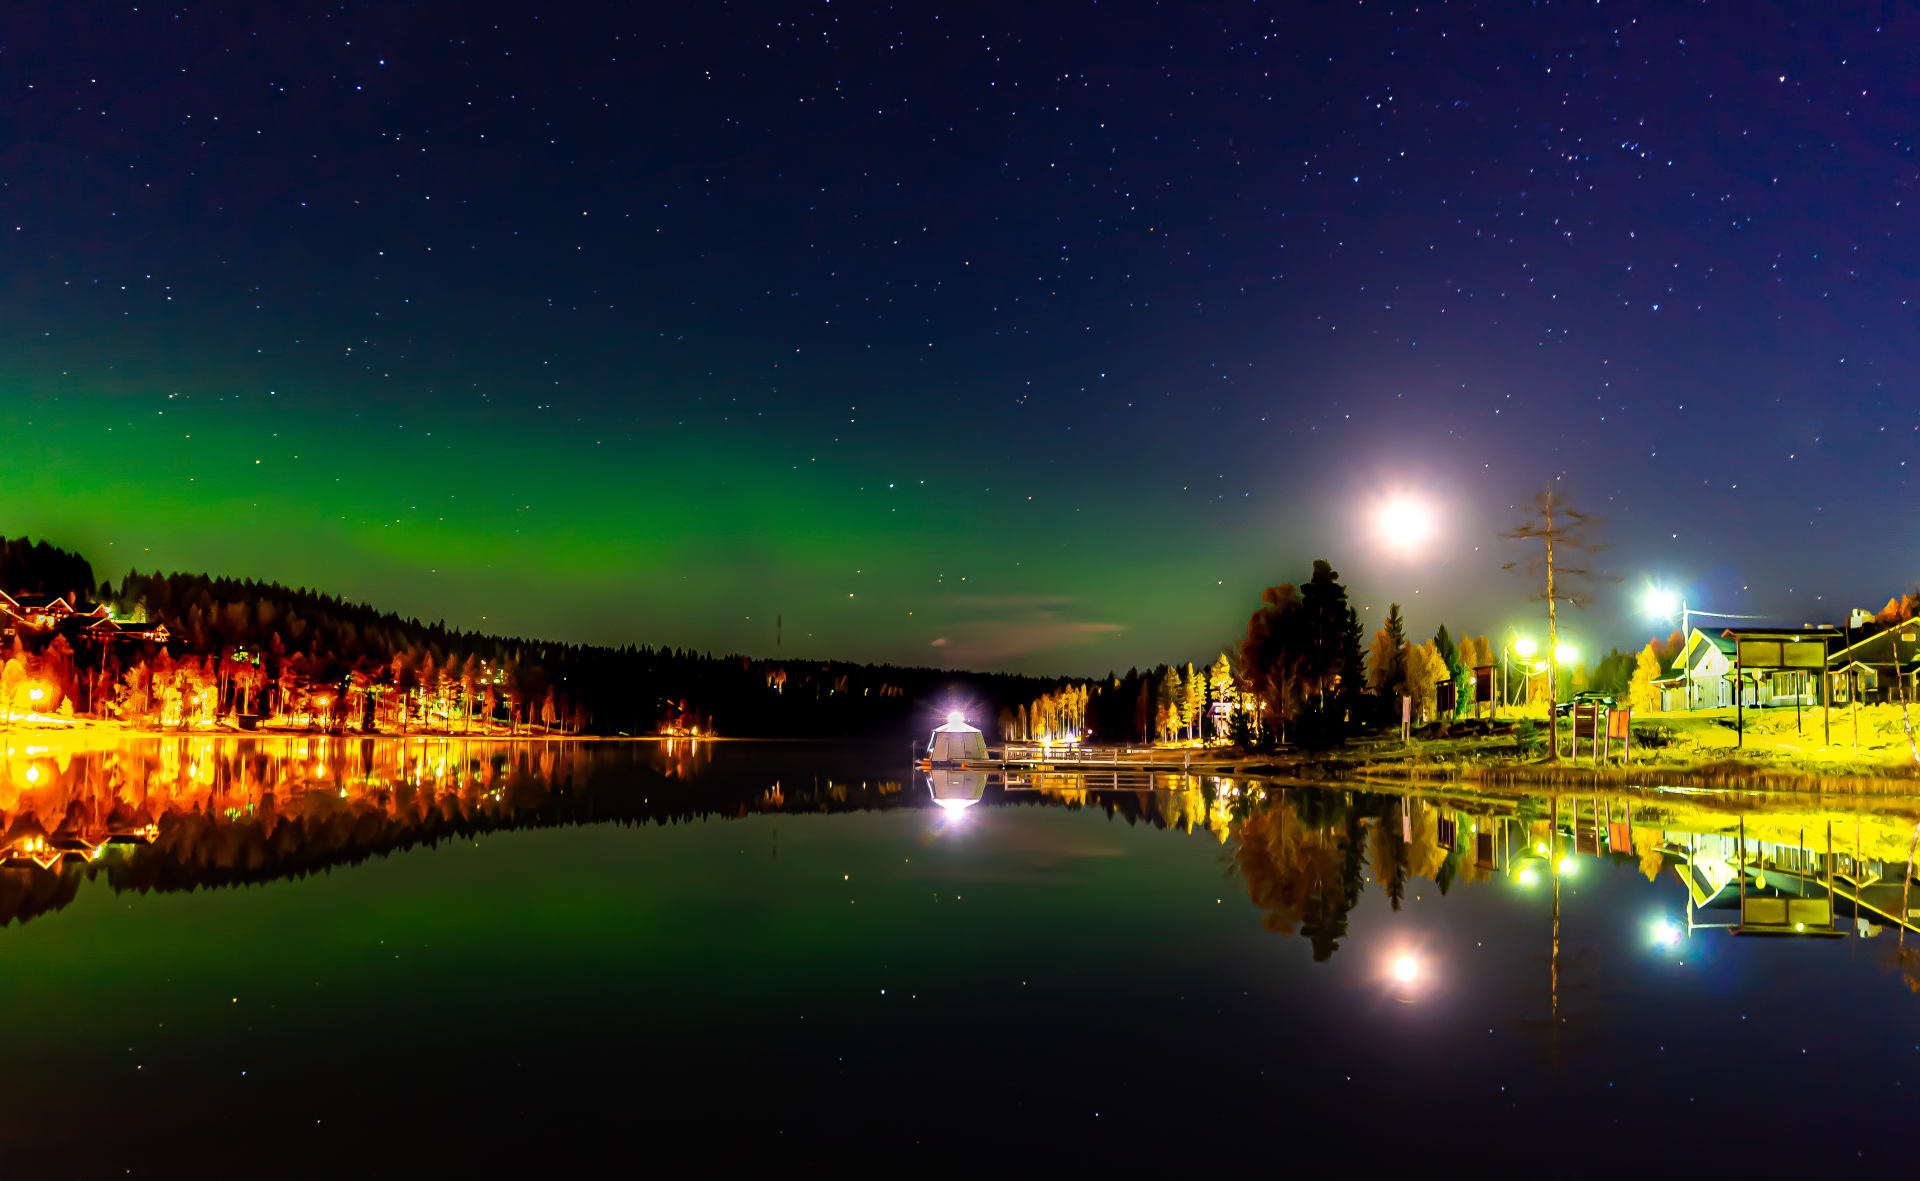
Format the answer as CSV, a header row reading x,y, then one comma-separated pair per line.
x,y
1405,969
1404,523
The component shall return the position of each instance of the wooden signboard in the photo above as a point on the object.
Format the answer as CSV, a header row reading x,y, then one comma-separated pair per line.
x,y
1620,726
1780,654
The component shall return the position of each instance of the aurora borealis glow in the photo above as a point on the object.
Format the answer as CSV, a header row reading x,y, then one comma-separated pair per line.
x,y
1022,336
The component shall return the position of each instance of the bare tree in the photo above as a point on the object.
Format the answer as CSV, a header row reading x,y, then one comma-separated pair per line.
x,y
1566,534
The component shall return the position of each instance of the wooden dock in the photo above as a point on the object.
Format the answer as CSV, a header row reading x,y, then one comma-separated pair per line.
x,y
1072,756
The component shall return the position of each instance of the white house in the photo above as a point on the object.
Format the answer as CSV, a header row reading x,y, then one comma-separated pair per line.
x,y
1702,676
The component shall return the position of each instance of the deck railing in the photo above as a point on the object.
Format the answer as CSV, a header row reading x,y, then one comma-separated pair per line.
x,y
1079,754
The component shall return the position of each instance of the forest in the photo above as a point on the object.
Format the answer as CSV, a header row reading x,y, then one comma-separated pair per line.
x,y
260,655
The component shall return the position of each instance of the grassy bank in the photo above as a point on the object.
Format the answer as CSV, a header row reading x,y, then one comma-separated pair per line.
x,y
1702,749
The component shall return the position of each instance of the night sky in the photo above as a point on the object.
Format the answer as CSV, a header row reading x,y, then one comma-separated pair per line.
x,y
1036,336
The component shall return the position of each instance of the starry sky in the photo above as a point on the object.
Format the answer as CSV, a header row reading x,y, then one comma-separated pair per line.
x,y
1025,336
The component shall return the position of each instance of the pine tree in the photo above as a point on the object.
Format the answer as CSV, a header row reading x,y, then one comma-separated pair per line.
x,y
1457,673
1389,668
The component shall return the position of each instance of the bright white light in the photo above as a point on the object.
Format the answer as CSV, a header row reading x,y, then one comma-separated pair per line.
x,y
1405,969
1541,848
1526,877
1404,523
1660,603
1524,647
955,807
1665,933
1570,867
1565,653
955,717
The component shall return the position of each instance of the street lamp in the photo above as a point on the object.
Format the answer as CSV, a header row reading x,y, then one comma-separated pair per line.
x,y
1524,648
1565,653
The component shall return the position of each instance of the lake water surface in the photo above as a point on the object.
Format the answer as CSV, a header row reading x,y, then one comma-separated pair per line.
x,y
260,957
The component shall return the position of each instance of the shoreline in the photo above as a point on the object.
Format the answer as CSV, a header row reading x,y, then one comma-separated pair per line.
x,y
1729,775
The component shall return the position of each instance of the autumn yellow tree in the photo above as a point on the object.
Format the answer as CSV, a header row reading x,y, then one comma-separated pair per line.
x,y
1426,670
1383,663
1642,697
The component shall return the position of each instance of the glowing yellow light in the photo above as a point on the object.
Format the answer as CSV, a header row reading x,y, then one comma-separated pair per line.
x,y
1660,603
1405,969
1569,866
1565,653
33,774
1526,877
1524,647
1541,848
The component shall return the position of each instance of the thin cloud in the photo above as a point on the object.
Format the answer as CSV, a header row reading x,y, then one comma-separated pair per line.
x,y
988,643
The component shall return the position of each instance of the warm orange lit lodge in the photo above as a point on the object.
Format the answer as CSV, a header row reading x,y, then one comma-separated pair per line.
x,y
37,614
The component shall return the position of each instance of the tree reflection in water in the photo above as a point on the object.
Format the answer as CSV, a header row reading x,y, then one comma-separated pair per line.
x,y
181,813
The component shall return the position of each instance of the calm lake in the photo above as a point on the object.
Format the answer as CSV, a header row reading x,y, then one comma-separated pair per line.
x,y
274,957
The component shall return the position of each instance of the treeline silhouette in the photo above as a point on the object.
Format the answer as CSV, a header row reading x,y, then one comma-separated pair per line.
x,y
295,656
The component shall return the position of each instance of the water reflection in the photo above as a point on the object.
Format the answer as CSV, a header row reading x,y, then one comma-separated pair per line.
x,y
956,791
186,812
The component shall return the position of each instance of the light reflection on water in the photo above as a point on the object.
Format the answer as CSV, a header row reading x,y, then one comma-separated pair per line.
x,y
1082,934
204,810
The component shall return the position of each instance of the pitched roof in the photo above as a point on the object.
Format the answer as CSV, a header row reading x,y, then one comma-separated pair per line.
x,y
1880,647
1681,662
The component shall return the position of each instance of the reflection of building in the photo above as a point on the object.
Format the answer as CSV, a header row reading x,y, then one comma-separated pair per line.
x,y
955,790
180,812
